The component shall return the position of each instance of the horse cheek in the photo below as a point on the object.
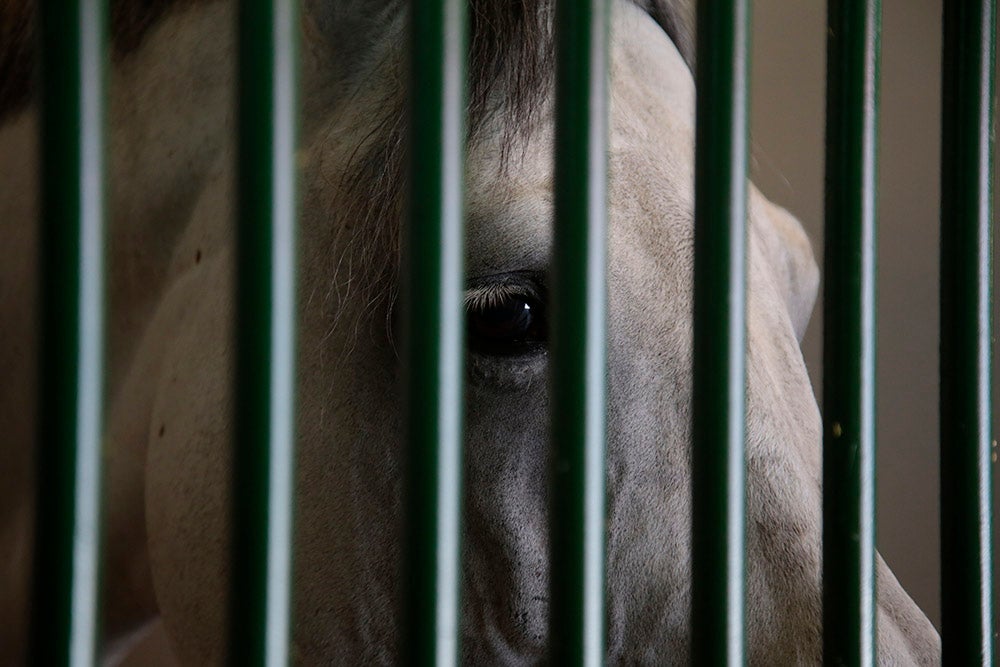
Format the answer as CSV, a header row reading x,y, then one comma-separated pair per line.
x,y
187,487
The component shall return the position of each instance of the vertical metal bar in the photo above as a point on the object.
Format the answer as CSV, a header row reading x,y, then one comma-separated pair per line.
x,y
434,335
718,456
966,329
263,455
579,323
849,334
64,615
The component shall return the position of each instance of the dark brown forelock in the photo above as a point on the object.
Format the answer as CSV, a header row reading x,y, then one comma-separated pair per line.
x,y
512,54
512,51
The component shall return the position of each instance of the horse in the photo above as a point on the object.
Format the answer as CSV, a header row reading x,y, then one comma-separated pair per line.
x,y
170,325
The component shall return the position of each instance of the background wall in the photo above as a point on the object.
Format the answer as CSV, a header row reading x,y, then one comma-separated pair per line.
x,y
789,52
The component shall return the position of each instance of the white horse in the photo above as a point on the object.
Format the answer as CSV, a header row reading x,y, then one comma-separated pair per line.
x,y
168,428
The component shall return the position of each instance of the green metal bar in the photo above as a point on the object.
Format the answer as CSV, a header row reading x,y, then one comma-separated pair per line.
x,y
263,455
64,610
966,326
849,334
579,324
434,334
718,456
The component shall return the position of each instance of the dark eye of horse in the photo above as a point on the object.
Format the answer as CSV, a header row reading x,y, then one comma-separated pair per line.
x,y
509,325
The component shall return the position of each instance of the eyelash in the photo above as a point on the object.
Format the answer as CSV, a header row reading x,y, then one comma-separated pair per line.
x,y
482,291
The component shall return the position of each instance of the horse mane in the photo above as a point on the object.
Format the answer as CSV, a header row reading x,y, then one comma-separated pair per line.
x,y
512,51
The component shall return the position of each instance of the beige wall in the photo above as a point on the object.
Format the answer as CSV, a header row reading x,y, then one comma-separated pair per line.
x,y
787,162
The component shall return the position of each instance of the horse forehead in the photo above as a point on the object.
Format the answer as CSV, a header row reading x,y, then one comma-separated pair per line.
x,y
651,116
641,52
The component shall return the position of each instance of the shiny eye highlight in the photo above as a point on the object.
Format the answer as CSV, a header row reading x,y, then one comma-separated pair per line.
x,y
505,320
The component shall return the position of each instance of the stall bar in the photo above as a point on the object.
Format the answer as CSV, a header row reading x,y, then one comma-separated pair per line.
x,y
849,333
65,581
719,380
968,71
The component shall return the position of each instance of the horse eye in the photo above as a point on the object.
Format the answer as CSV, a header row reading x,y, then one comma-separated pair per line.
x,y
510,325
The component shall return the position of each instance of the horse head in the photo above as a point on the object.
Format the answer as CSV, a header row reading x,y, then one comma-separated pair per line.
x,y
169,429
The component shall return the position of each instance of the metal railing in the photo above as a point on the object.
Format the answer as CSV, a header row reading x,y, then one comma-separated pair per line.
x,y
72,95
65,585
264,387
853,43
719,369
969,69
